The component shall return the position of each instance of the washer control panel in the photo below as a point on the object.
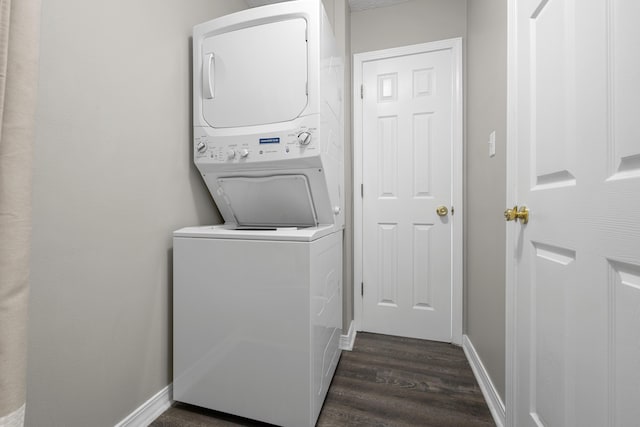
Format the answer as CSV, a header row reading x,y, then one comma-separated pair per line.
x,y
300,142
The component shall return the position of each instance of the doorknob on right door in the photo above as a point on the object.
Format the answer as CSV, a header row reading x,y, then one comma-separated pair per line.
x,y
515,214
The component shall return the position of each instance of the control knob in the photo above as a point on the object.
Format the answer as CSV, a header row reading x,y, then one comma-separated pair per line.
x,y
231,154
202,147
304,138
244,152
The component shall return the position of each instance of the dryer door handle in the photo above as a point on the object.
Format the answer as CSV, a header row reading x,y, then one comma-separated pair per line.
x,y
208,76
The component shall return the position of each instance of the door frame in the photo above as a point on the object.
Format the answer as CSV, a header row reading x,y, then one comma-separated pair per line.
x,y
455,45
511,195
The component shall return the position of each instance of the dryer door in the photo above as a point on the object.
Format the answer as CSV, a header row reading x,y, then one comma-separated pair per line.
x,y
255,75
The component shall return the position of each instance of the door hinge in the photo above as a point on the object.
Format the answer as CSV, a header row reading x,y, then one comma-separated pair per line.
x,y
362,289
361,91
361,190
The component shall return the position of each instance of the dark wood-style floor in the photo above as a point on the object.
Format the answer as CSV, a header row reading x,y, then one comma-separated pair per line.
x,y
384,381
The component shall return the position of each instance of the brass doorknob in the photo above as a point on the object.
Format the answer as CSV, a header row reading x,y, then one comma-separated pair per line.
x,y
510,214
442,210
515,214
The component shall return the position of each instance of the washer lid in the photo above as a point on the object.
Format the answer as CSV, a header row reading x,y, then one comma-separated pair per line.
x,y
286,234
271,201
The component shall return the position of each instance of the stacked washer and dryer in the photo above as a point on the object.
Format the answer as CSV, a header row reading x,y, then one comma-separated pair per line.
x,y
257,301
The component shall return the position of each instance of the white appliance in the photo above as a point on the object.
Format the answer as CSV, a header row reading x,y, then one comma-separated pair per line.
x,y
258,300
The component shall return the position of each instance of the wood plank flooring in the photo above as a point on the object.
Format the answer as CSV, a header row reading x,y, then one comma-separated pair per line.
x,y
384,381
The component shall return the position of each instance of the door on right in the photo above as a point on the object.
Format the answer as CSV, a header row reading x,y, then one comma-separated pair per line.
x,y
574,267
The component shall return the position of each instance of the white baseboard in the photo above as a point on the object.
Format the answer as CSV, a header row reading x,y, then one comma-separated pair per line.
x,y
346,341
149,410
496,406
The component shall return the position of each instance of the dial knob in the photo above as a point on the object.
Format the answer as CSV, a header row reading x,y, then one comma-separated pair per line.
x,y
202,147
231,154
244,152
304,138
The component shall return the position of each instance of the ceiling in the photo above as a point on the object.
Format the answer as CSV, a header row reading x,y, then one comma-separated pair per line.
x,y
355,5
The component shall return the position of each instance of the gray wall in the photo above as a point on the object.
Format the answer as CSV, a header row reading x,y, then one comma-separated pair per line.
x,y
485,181
416,21
113,177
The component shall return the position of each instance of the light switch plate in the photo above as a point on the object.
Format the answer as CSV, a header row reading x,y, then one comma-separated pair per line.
x,y
492,144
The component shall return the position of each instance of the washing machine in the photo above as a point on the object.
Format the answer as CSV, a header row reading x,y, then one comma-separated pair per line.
x,y
257,321
257,301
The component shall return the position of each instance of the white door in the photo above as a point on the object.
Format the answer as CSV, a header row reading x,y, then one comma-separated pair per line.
x,y
575,289
408,132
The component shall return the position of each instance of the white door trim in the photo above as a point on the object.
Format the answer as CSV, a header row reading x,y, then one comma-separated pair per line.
x,y
455,45
512,173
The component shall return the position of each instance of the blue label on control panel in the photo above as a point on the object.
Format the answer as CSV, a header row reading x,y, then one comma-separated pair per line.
x,y
269,140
